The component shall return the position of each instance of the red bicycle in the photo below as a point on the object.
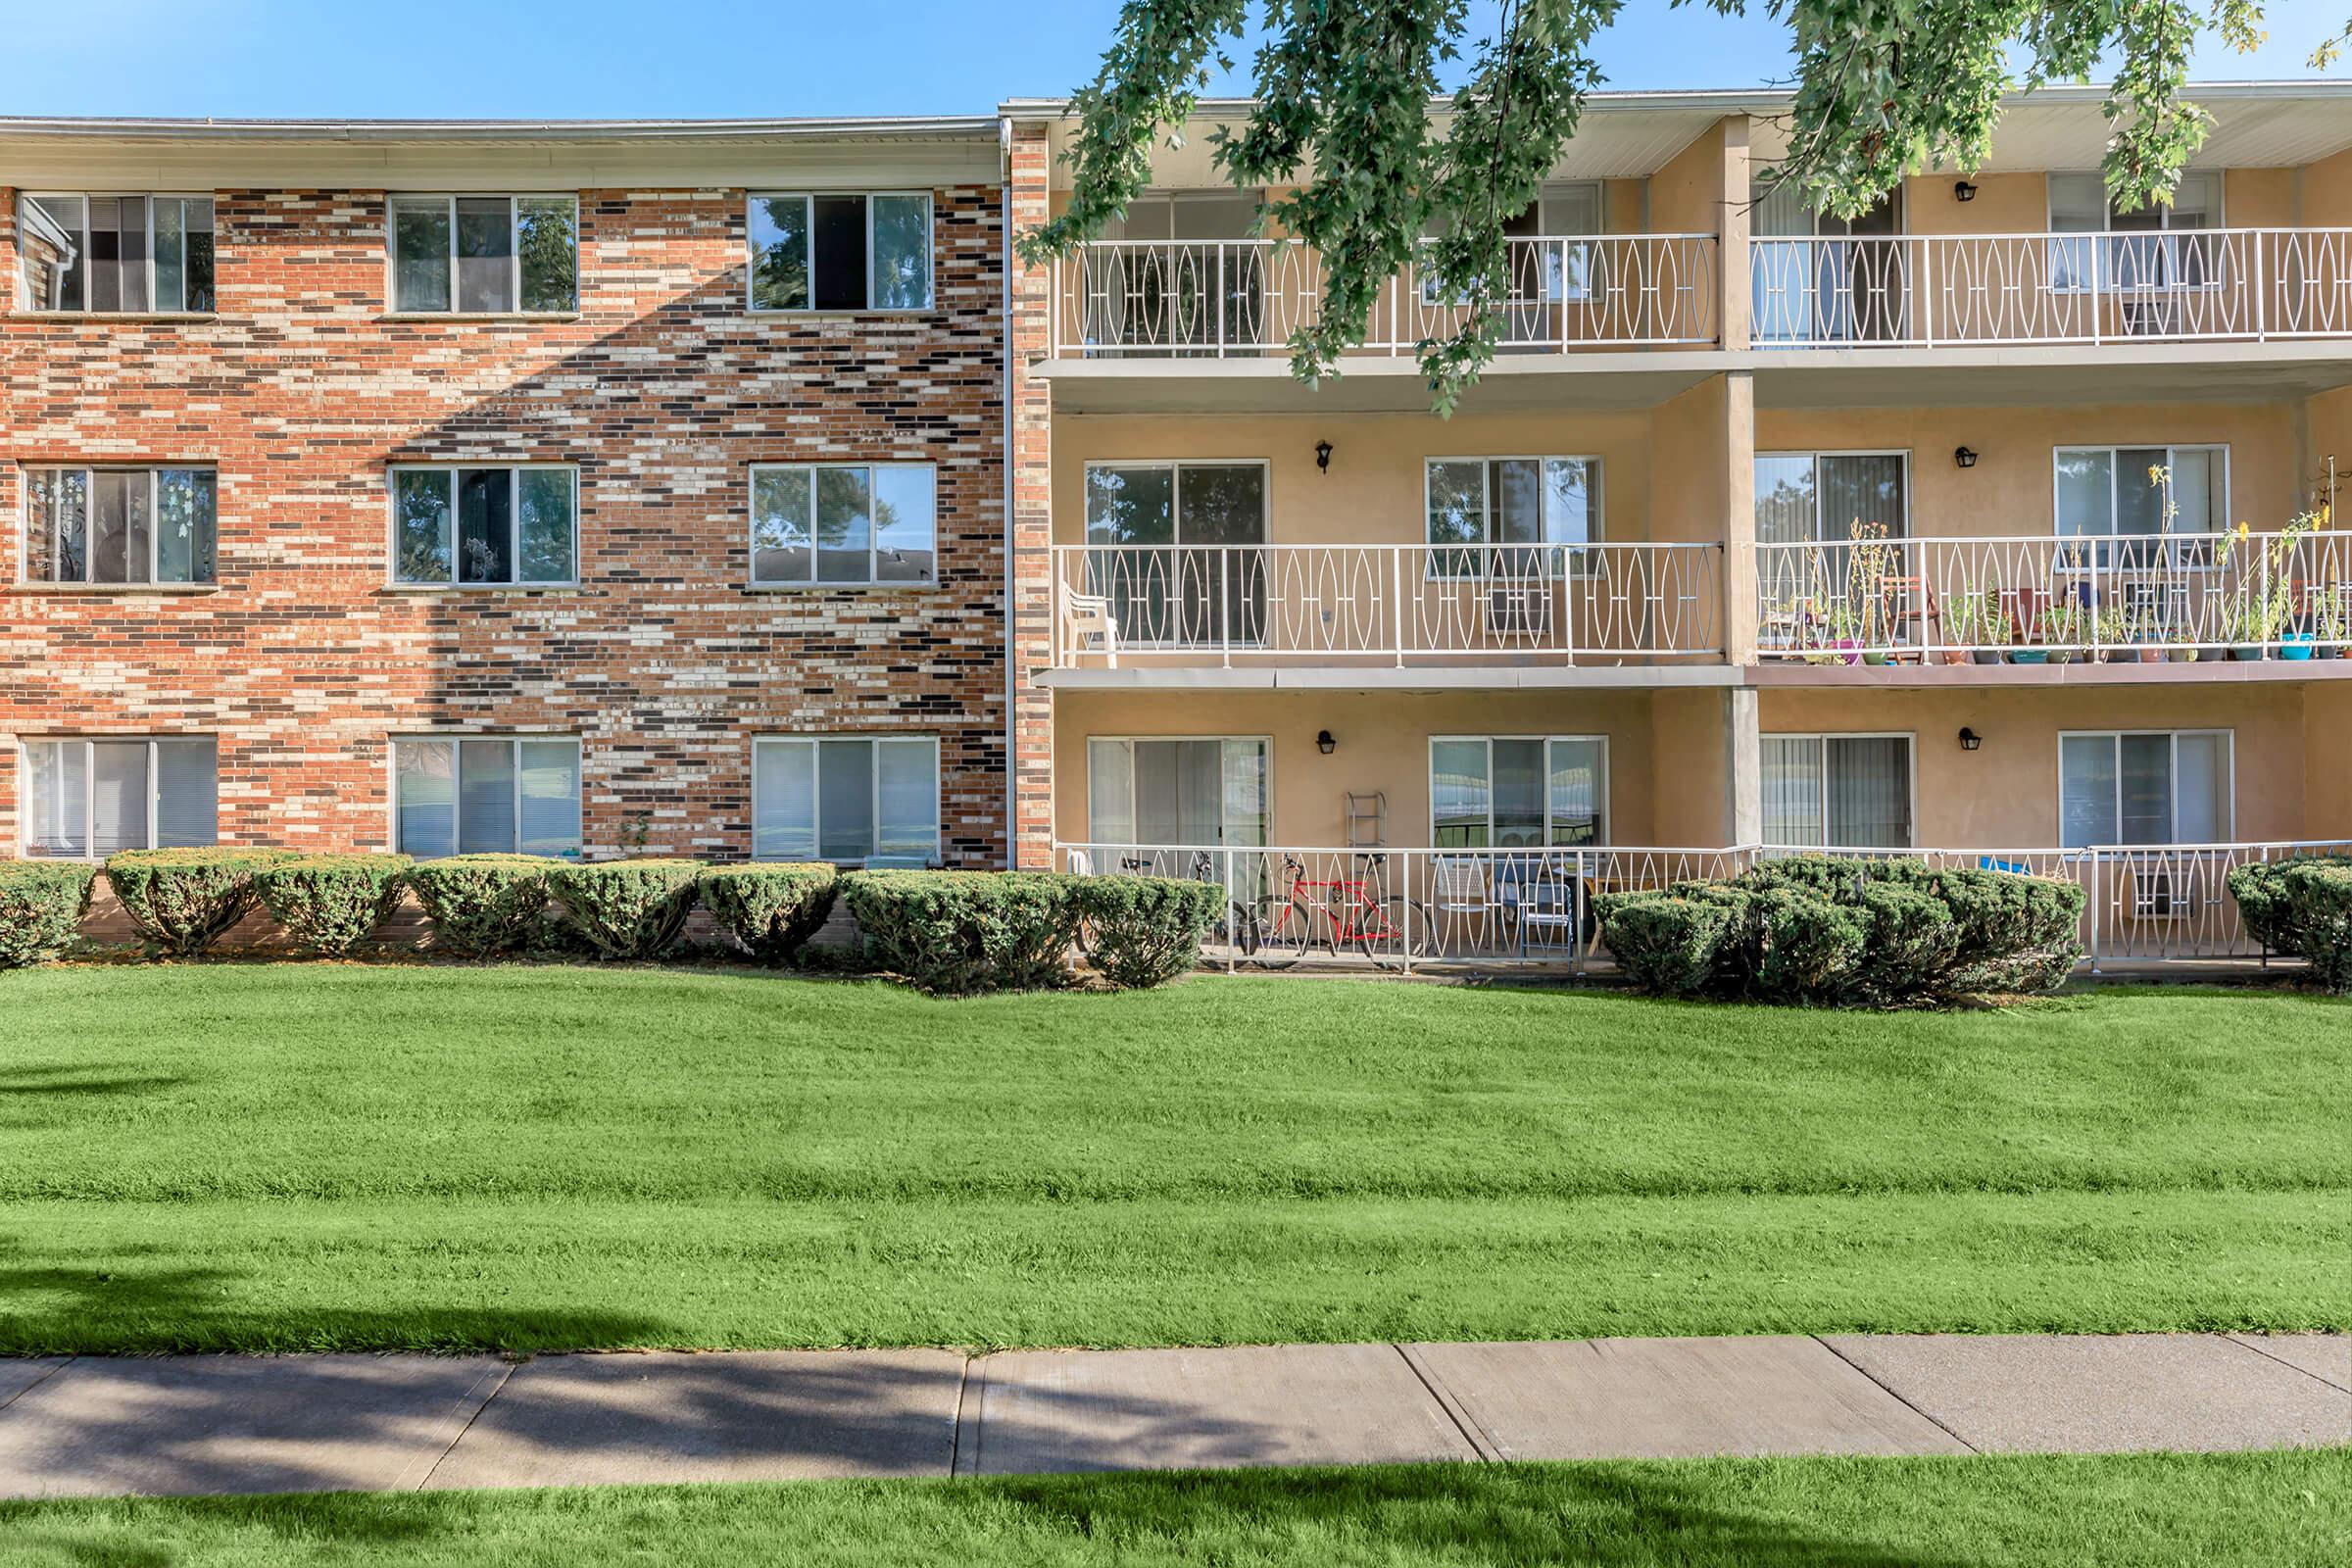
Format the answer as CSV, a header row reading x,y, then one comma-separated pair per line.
x,y
1329,911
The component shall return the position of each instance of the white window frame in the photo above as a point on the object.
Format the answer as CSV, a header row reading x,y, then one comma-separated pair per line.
x,y
1821,740
1265,803
82,242
808,196
1814,455
1580,565
816,821
457,782
514,472
2105,233
2116,739
1176,468
1607,801
2115,479
873,536
515,201
155,532
89,788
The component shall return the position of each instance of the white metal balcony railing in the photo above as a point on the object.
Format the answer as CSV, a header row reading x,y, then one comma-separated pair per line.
x,y
1399,603
1214,299
1398,907
2038,599
1919,291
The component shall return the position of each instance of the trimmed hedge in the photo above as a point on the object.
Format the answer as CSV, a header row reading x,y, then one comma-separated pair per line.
x,y
772,909
183,901
1829,930
41,907
629,908
483,906
330,903
954,933
1143,931
2262,904
2317,914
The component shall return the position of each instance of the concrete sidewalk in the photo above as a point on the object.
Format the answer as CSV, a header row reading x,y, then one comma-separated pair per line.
x,y
95,1426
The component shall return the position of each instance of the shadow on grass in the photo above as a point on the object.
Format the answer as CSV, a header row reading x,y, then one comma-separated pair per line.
x,y
78,1080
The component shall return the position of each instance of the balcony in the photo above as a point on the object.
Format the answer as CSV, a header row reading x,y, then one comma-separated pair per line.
x,y
1370,605
2045,600
2178,286
1243,298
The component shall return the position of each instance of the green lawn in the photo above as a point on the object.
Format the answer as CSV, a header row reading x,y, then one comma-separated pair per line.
x,y
2267,1510
256,1157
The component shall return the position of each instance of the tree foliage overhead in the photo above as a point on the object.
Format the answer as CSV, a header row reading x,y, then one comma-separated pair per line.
x,y
1883,88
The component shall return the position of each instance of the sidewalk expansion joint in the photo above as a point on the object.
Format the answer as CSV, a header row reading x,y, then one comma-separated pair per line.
x,y
1481,1440
2254,1344
1895,1394
37,1382
964,1459
498,1385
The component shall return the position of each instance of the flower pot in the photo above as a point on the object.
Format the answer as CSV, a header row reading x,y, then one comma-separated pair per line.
x,y
2152,655
1959,656
1987,656
2296,645
2246,651
2182,656
2029,656
1874,659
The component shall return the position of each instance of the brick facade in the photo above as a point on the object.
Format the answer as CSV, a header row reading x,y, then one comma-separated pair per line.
x,y
662,389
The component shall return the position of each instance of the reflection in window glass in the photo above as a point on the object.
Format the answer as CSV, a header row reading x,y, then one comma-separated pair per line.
x,y
843,524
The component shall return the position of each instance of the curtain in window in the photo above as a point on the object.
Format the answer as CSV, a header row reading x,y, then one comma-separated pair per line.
x,y
1110,792
907,798
845,800
549,791
1791,789
784,800
425,797
2086,790
485,798
1868,791
1867,489
187,793
118,796
2201,790
486,253
1520,785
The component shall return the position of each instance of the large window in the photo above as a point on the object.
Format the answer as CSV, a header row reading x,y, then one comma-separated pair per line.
x,y
843,524
1194,792
119,525
1202,591
826,251
2152,248
1518,792
94,797
486,254
2102,492
2144,787
1841,790
144,254
1511,501
846,798
484,527
1815,497
485,795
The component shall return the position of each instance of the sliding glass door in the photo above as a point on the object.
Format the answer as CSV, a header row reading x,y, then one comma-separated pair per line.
x,y
1841,790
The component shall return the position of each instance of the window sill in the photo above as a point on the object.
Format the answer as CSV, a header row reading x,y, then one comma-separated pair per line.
x,y
116,316
901,311
535,317
837,587
112,589
479,588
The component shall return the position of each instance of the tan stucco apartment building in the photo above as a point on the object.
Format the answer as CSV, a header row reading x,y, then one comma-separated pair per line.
x,y
1994,525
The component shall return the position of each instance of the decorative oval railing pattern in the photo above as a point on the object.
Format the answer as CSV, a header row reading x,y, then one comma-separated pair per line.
x,y
1218,299
1915,290
1399,603
2041,600
1398,907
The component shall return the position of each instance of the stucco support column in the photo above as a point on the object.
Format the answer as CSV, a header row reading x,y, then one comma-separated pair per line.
x,y
1029,494
1743,767
1732,231
1738,485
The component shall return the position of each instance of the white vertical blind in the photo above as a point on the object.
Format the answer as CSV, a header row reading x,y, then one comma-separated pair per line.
x,y
1791,789
187,793
487,797
1867,785
548,796
424,798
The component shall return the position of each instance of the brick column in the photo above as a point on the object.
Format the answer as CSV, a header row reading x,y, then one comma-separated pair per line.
x,y
1029,564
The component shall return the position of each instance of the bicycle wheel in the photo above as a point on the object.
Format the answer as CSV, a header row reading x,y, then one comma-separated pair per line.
x,y
1284,934
1381,939
1245,932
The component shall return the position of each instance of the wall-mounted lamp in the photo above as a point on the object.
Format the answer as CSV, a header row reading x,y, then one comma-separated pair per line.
x,y
1323,456
1324,743
1970,740
1964,456
1963,191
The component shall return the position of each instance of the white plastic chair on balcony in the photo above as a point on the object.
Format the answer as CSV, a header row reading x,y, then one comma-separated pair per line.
x,y
1458,889
1089,627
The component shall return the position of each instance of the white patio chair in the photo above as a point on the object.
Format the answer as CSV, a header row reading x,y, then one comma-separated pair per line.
x,y
1089,627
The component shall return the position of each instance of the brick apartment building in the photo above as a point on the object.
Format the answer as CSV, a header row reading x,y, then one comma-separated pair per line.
x,y
579,488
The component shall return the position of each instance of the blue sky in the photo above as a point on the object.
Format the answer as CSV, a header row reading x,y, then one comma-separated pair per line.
x,y
600,58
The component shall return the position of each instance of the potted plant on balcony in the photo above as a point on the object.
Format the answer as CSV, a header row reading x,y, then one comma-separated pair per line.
x,y
2060,630
1970,622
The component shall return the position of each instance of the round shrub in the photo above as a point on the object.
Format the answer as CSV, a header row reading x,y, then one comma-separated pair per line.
x,y
1808,949
629,908
483,906
1909,941
1666,945
41,907
1143,931
954,933
183,901
330,903
772,909
2317,914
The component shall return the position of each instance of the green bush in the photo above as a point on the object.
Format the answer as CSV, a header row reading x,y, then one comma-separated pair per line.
x,y
1666,945
2262,904
1142,931
330,903
629,908
1909,942
772,909
2016,933
41,906
1808,949
2318,896
483,906
958,932
183,901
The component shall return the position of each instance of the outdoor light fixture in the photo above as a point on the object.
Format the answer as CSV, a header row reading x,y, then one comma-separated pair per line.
x,y
1965,457
1323,463
1970,740
1962,190
1324,743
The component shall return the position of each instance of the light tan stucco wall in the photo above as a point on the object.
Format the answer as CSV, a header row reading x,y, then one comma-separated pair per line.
x,y
2327,762
1382,744
1374,492
2004,204
1687,195
2326,191
2010,489
2328,433
2005,794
